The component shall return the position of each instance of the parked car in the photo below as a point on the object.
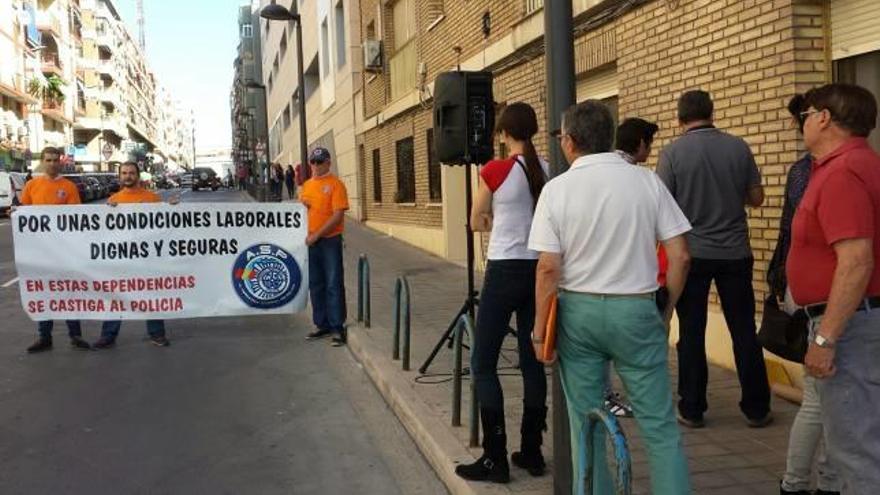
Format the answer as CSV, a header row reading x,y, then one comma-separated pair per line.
x,y
204,177
7,193
101,190
109,180
186,180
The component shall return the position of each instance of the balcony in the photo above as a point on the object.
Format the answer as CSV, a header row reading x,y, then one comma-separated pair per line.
x,y
107,68
52,64
13,86
48,22
54,109
532,6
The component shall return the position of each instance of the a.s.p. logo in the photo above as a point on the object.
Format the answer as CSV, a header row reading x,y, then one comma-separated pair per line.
x,y
266,276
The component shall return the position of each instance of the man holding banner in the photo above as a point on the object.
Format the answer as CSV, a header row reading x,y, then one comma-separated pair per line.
x,y
132,192
326,198
52,189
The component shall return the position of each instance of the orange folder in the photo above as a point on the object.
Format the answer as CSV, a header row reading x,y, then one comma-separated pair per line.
x,y
550,332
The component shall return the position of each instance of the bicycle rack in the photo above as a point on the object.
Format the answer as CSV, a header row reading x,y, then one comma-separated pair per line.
x,y
401,302
363,301
586,464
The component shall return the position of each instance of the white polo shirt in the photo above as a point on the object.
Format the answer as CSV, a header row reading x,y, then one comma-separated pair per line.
x,y
605,216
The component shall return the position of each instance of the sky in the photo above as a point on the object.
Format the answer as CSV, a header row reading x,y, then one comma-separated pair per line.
x,y
191,45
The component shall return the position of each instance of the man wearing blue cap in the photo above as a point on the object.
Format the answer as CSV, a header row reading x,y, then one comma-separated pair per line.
x,y
326,199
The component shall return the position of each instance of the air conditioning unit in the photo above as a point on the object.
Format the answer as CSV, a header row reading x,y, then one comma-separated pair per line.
x,y
373,55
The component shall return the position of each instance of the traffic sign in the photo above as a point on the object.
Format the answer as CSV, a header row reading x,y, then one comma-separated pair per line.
x,y
107,151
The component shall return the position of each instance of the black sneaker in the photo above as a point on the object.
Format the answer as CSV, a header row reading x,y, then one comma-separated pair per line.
x,y
338,340
79,343
616,405
690,422
318,334
104,343
160,341
42,344
783,491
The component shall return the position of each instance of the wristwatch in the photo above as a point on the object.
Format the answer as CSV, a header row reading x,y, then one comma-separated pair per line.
x,y
823,342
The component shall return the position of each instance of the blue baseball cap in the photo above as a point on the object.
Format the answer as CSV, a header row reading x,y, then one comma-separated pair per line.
x,y
319,155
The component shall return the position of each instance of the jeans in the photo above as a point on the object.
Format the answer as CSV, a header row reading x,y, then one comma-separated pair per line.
x,y
733,279
804,443
508,287
110,328
850,400
327,284
44,328
629,332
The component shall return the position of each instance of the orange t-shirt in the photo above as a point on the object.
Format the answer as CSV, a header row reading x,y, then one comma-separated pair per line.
x,y
44,190
323,196
135,195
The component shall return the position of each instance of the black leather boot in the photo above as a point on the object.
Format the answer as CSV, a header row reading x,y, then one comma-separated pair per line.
x,y
534,423
492,465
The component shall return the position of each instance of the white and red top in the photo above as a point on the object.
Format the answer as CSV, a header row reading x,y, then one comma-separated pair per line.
x,y
512,208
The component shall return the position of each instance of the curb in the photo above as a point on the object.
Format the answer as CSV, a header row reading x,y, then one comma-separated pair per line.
x,y
430,432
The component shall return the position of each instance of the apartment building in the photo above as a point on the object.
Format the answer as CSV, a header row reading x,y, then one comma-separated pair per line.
x,y
332,65
248,105
18,57
637,56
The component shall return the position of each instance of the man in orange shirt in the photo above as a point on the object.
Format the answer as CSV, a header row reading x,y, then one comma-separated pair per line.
x,y
52,189
132,192
326,199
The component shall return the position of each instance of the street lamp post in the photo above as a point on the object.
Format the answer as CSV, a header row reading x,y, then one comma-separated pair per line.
x,y
275,12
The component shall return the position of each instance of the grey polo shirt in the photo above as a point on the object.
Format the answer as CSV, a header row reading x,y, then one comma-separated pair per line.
x,y
709,173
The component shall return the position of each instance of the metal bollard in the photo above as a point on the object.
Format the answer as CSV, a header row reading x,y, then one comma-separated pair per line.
x,y
363,302
475,405
401,297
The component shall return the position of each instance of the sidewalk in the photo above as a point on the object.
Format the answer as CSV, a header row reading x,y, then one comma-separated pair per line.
x,y
726,457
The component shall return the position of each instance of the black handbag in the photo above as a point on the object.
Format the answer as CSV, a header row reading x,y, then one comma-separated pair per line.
x,y
783,334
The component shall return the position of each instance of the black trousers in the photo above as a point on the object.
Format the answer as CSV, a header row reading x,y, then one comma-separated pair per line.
x,y
508,287
733,279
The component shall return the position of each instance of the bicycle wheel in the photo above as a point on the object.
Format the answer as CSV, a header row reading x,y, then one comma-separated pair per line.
x,y
616,458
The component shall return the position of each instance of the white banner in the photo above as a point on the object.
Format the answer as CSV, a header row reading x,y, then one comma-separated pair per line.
x,y
160,261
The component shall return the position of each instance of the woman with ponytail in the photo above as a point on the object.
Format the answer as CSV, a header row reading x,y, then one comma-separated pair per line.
x,y
504,205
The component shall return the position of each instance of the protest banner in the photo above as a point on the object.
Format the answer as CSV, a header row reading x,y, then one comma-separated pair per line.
x,y
160,261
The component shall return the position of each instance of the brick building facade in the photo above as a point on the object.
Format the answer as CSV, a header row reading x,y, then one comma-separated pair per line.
x,y
637,56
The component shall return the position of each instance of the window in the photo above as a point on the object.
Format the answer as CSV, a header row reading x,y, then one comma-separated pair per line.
x,y
247,31
283,48
404,63
287,117
434,188
371,30
406,176
404,19
377,177
339,16
325,50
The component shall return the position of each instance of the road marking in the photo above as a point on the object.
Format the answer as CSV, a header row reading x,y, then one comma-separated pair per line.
x,y
11,282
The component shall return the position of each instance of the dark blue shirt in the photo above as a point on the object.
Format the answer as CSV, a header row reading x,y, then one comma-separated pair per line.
x,y
795,185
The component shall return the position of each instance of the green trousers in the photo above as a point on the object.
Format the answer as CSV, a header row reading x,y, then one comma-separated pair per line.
x,y
629,332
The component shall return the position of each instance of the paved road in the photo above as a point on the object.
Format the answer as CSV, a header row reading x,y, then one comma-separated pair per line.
x,y
235,405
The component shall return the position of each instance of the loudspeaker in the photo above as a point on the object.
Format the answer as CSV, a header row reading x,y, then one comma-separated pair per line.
x,y
464,117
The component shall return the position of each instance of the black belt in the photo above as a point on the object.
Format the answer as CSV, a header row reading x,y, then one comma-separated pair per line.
x,y
817,310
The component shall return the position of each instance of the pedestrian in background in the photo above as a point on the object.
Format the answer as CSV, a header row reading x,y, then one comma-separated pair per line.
x,y
52,189
288,181
833,270
805,438
597,227
713,176
132,192
326,199
504,204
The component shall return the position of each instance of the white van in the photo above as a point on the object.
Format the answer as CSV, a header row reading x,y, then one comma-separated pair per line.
x,y
6,193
